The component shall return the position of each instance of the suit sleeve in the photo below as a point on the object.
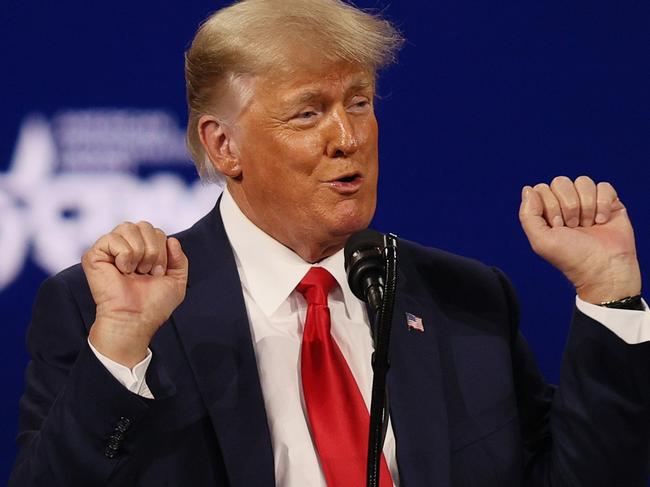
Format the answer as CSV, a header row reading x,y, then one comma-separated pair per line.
x,y
594,428
75,418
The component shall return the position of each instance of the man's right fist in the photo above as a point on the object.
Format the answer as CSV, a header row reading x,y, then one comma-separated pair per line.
x,y
137,277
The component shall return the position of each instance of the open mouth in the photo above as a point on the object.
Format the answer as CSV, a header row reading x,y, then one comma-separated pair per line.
x,y
348,184
349,179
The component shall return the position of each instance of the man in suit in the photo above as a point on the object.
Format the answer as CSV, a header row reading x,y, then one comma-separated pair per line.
x,y
216,358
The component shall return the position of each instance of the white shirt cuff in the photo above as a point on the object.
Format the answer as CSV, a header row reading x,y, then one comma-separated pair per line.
x,y
631,326
133,379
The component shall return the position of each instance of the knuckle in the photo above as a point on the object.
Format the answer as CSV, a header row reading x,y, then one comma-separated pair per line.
x,y
560,180
127,225
144,224
161,237
606,186
584,180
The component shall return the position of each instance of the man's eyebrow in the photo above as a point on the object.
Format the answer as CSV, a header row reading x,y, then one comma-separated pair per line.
x,y
360,85
309,96
299,99
305,97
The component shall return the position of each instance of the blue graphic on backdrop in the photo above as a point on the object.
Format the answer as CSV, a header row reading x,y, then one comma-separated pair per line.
x,y
75,175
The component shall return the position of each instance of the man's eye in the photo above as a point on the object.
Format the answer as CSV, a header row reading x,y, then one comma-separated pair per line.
x,y
360,104
306,115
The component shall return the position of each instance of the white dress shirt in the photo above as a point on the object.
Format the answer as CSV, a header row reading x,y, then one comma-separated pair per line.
x,y
269,273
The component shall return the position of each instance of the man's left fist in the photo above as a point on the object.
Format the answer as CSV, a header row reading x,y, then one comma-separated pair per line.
x,y
583,229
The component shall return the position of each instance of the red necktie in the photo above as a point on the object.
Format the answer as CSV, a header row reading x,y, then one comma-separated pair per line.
x,y
338,417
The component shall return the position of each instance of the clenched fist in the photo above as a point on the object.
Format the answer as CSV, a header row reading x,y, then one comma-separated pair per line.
x,y
583,229
137,277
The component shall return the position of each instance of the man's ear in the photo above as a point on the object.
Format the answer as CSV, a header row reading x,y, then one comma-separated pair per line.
x,y
219,146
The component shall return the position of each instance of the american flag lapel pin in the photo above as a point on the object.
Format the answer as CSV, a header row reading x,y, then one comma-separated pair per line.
x,y
414,322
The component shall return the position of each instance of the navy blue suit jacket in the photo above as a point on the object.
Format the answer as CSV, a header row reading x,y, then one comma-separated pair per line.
x,y
468,405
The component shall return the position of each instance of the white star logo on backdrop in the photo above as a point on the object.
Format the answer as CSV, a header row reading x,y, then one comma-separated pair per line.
x,y
74,177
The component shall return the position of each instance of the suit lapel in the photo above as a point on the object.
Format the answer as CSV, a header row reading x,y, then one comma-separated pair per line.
x,y
213,327
415,386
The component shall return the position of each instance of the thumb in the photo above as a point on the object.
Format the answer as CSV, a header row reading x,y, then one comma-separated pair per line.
x,y
531,214
177,263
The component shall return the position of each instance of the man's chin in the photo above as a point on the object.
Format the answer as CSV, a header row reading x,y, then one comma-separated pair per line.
x,y
349,225
351,216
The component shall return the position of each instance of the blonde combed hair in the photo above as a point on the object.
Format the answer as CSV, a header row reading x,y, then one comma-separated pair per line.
x,y
256,36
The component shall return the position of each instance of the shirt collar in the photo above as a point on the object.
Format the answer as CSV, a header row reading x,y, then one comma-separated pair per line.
x,y
269,270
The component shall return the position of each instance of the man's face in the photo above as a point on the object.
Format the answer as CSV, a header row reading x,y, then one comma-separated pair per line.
x,y
307,148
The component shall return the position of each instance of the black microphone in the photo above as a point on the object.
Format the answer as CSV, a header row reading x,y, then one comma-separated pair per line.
x,y
369,256
365,266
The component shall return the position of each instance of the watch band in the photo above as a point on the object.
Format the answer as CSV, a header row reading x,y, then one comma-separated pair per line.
x,y
634,303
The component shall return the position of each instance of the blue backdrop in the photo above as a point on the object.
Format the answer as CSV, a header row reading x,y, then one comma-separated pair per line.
x,y
487,97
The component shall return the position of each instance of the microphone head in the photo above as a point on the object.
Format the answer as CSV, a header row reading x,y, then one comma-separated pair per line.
x,y
364,260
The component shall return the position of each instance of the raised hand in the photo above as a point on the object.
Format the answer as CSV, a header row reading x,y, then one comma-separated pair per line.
x,y
583,229
137,277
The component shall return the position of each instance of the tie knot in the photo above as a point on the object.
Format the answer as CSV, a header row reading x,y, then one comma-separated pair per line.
x,y
316,285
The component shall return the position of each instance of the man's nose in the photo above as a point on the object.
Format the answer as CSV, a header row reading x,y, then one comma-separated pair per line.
x,y
342,140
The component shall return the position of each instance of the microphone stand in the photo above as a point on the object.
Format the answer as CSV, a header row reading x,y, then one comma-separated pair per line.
x,y
381,364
